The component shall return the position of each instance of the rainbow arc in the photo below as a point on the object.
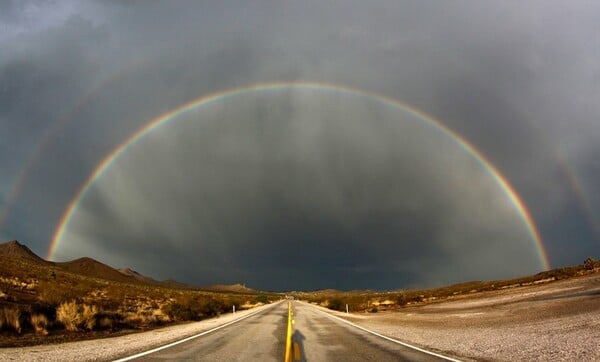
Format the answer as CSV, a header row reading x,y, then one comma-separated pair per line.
x,y
173,114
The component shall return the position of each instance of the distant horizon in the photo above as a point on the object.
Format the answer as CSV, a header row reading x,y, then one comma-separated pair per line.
x,y
257,289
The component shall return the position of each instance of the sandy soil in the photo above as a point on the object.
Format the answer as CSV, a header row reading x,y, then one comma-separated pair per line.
x,y
558,321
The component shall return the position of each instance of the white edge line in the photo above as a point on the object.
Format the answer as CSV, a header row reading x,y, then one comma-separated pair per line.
x,y
385,337
141,354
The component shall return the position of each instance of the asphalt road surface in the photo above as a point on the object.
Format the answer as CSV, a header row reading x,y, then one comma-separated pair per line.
x,y
262,337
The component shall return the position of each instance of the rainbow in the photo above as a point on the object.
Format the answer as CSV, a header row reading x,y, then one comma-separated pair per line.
x,y
164,118
576,185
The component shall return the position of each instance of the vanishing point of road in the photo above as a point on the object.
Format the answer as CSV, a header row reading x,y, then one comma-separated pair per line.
x,y
315,336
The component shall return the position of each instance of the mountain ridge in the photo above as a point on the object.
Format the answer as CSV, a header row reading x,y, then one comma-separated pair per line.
x,y
93,268
13,248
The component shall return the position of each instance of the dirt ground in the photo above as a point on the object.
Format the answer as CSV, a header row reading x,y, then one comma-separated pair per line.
x,y
558,321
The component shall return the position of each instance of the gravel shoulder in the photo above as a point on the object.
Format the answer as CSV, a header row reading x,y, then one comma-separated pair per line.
x,y
558,321
107,349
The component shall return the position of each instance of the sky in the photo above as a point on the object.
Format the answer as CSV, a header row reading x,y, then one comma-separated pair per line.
x,y
400,144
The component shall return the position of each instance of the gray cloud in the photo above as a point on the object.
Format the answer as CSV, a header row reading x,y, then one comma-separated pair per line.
x,y
303,182
517,81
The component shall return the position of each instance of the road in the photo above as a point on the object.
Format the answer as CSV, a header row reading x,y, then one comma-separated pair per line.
x,y
262,337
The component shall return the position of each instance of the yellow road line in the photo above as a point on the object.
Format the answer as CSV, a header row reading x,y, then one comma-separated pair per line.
x,y
288,338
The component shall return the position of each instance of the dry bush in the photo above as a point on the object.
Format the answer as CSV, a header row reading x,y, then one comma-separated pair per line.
x,y
106,323
401,298
336,304
178,312
591,263
145,316
74,316
39,323
68,314
138,318
159,316
192,308
261,298
88,316
108,320
10,319
133,320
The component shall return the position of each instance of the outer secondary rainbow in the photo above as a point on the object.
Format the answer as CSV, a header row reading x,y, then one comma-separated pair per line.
x,y
172,114
576,185
50,136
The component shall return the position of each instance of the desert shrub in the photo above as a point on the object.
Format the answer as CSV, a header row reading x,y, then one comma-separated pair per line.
x,y
228,303
74,316
188,308
39,323
261,298
315,299
148,316
401,299
88,316
108,320
590,263
134,320
159,317
105,323
68,314
178,311
336,304
10,318
211,307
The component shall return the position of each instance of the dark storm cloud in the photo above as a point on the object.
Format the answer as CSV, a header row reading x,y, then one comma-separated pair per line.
x,y
287,184
517,81
42,74
75,73
15,11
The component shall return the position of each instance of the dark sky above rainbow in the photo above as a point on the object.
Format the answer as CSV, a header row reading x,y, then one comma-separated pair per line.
x,y
303,144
